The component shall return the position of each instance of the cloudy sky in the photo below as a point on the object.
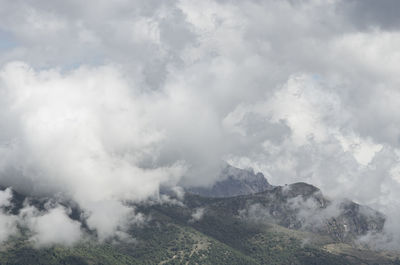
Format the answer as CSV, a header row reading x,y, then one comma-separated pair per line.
x,y
103,101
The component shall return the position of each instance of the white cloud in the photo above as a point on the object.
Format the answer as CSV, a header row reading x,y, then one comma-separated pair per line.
x,y
8,226
83,134
198,214
111,218
5,197
8,223
52,227
115,98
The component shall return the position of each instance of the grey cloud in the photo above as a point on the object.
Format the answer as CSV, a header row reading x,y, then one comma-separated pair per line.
x,y
369,13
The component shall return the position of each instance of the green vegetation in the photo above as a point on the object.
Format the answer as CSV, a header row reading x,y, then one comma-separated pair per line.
x,y
221,236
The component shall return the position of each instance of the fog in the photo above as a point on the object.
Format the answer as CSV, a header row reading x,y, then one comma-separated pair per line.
x,y
104,102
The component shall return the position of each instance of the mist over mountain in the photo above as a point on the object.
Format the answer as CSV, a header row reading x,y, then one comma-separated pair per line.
x,y
233,182
296,206
292,224
110,108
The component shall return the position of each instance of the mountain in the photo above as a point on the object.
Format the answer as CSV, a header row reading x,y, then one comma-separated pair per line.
x,y
298,206
233,182
291,224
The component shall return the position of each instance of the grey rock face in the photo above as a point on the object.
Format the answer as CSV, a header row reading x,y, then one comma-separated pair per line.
x,y
233,182
296,206
303,206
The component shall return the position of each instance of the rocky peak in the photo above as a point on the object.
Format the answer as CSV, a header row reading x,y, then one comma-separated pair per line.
x,y
233,182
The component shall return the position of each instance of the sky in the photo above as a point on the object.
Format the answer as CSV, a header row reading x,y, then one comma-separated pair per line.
x,y
106,101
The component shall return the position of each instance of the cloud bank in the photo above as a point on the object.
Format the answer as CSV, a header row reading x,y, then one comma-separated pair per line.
x,y
104,102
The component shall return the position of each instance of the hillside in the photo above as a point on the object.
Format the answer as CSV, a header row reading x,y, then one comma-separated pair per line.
x,y
268,227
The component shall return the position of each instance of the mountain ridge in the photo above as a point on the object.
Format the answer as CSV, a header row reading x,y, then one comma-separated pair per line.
x,y
233,181
291,224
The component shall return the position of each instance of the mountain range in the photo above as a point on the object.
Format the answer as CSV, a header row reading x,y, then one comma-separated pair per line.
x,y
241,219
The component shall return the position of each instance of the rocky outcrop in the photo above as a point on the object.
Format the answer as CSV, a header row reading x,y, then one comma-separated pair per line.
x,y
303,206
295,206
233,182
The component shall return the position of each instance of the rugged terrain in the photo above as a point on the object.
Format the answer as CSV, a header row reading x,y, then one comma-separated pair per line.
x,y
233,182
292,224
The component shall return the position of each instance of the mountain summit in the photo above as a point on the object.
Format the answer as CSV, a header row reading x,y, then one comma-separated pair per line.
x,y
234,182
